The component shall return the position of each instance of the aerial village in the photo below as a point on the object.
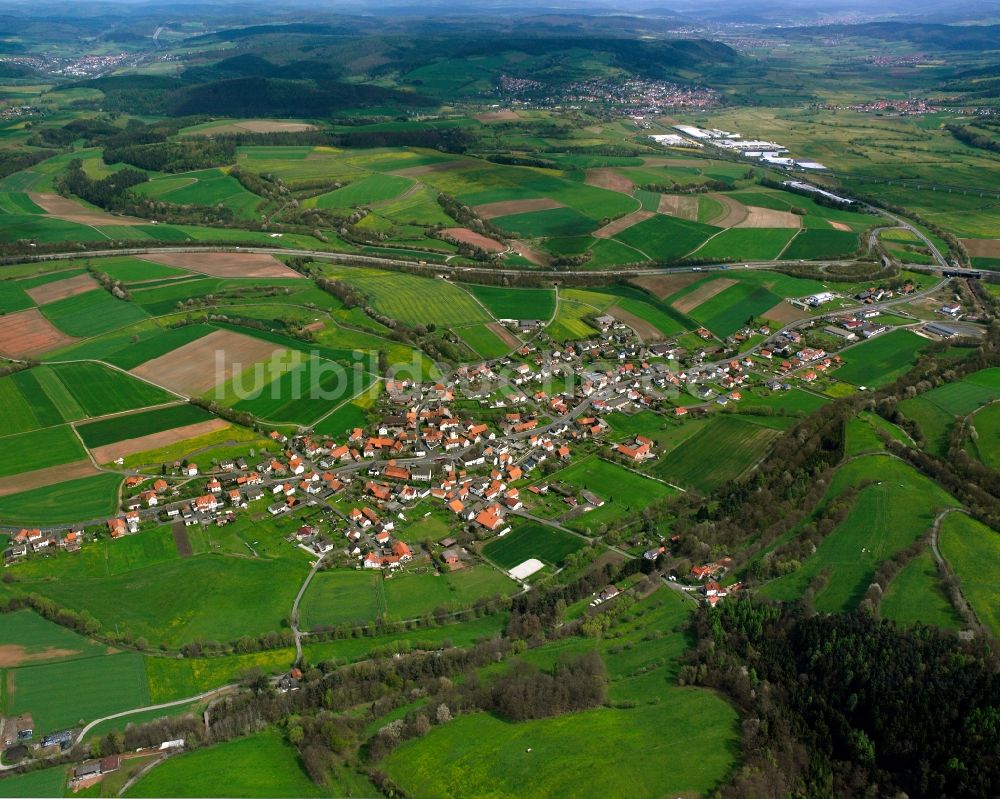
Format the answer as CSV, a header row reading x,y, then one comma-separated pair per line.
x,y
483,449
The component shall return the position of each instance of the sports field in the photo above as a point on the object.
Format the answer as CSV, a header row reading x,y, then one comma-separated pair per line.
x,y
515,303
531,540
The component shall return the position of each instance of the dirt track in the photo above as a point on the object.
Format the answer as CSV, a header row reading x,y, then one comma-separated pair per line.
x,y
28,333
466,236
644,329
609,179
61,289
504,334
225,264
40,478
736,211
72,211
508,207
767,217
207,362
623,223
704,293
130,446
683,206
982,248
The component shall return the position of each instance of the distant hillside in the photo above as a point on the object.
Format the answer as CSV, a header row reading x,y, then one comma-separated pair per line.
x,y
969,38
256,95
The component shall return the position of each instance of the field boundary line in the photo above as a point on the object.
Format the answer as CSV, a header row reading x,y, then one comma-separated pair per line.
x,y
788,244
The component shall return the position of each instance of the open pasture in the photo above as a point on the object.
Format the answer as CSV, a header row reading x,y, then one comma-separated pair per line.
x,y
85,389
817,243
29,638
746,244
555,222
61,694
260,765
985,445
375,188
973,551
180,600
134,425
665,238
915,596
515,303
888,515
203,187
39,449
486,341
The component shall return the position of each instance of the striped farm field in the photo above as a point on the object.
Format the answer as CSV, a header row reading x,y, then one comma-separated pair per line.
x,y
515,303
135,425
84,389
92,313
746,244
881,360
414,300
83,498
569,323
366,191
532,541
819,243
666,238
39,449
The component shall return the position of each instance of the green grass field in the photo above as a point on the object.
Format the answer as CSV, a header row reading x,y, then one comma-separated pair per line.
x,y
511,303
204,187
92,313
42,640
484,341
59,695
819,243
532,540
720,452
76,500
98,390
25,452
881,360
412,299
570,323
664,238
134,425
624,492
746,244
135,270
366,191
987,426
886,517
915,596
44,783
973,550
553,222
176,601
261,765
690,734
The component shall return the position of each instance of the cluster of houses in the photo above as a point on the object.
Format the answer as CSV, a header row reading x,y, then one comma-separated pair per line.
x,y
26,540
861,324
